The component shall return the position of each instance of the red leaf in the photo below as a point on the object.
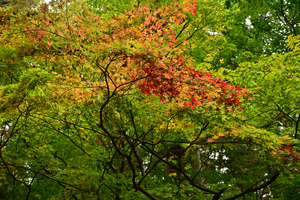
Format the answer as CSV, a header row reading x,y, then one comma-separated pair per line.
x,y
207,74
236,100
238,88
220,100
288,148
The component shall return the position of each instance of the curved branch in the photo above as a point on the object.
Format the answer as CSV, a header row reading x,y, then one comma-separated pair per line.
x,y
253,189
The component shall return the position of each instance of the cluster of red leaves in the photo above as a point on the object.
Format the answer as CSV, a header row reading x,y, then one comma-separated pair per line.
x,y
180,82
288,152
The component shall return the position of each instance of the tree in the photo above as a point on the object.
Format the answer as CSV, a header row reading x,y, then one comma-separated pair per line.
x,y
276,80
95,105
249,29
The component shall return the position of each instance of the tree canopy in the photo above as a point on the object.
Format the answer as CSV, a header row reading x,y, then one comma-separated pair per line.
x,y
130,99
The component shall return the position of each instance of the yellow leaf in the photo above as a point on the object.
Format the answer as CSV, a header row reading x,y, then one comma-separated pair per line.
x,y
221,134
216,137
211,140
172,174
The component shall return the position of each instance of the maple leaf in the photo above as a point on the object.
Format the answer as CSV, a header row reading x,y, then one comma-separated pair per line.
x,y
211,140
170,44
221,134
220,100
50,43
288,148
236,100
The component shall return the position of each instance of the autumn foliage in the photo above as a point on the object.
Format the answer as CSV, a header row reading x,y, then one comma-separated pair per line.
x,y
116,105
136,48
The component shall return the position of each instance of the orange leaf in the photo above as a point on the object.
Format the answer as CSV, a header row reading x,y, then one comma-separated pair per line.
x,y
170,44
50,43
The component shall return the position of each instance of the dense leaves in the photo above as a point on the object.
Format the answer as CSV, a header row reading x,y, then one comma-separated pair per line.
x,y
109,104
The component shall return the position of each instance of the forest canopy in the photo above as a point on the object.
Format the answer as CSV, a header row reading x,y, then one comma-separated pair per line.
x,y
157,99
